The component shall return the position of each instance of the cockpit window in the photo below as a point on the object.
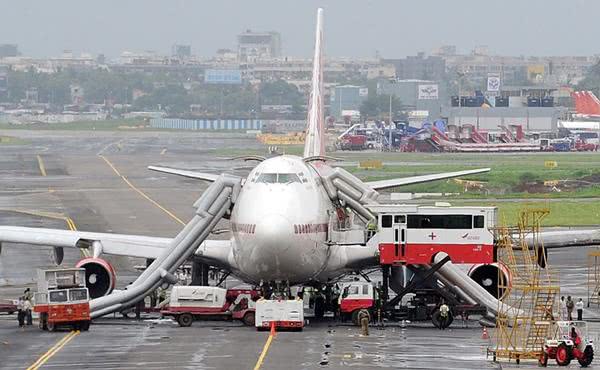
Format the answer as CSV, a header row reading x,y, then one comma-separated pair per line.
x,y
278,178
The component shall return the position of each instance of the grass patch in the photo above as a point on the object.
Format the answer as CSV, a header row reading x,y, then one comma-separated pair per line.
x,y
562,213
508,178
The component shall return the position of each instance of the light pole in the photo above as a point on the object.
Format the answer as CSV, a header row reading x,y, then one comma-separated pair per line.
x,y
391,121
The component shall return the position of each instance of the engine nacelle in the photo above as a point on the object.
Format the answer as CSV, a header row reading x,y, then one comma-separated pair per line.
x,y
487,275
100,277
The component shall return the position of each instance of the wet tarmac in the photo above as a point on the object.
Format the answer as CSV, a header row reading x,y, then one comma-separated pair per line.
x,y
71,179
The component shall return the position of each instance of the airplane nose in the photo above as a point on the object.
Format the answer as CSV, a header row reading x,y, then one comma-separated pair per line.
x,y
274,233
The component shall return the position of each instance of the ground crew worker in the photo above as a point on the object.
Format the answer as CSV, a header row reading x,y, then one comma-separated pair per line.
x,y
579,308
363,319
27,311
444,310
563,309
20,312
570,305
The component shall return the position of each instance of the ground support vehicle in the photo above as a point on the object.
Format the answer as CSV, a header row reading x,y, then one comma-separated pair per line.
x,y
190,302
569,342
62,299
8,307
283,313
409,239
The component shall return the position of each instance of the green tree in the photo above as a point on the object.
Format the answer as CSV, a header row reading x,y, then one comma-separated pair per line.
x,y
378,106
591,80
280,93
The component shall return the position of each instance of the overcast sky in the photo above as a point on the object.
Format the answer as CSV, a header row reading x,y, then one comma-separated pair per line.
x,y
353,28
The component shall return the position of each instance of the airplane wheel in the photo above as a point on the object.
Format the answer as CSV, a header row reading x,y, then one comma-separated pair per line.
x,y
185,320
249,319
563,355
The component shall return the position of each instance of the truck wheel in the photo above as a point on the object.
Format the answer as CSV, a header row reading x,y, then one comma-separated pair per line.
x,y
249,318
51,326
319,307
84,325
355,317
185,320
43,323
543,360
588,356
563,355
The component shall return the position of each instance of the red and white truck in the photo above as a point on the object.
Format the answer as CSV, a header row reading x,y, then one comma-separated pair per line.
x,y
190,302
62,299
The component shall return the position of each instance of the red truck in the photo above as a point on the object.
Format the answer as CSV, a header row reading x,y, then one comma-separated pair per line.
x,y
62,299
353,142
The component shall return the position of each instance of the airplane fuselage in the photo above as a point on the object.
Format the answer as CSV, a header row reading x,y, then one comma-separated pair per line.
x,y
280,222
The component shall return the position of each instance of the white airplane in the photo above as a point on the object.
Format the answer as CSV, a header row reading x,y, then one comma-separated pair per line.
x,y
280,221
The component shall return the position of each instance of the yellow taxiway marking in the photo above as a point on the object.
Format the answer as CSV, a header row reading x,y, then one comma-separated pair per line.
x,y
263,354
41,165
144,195
53,350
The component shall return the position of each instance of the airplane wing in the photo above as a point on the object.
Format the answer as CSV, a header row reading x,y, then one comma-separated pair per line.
x,y
392,183
185,173
212,251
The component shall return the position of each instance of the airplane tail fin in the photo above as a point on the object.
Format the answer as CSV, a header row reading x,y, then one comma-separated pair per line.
x,y
586,103
315,132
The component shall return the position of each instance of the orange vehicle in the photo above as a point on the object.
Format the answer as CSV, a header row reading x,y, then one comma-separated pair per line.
x,y
62,299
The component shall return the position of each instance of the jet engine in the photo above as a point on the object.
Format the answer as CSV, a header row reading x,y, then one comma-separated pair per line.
x,y
100,276
487,275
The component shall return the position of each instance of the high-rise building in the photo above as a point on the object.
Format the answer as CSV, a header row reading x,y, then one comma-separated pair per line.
x,y
181,51
9,50
258,45
419,67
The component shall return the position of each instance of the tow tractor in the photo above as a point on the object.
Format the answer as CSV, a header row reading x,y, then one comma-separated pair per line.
x,y
570,342
62,299
190,302
282,313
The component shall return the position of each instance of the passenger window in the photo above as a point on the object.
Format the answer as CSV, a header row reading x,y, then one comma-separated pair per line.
x,y
365,289
478,222
386,221
400,219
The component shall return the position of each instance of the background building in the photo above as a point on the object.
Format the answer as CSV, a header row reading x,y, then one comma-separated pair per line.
x,y
346,99
9,50
419,67
258,45
417,95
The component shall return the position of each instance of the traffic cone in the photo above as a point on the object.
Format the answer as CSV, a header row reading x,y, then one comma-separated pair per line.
x,y
273,328
485,334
